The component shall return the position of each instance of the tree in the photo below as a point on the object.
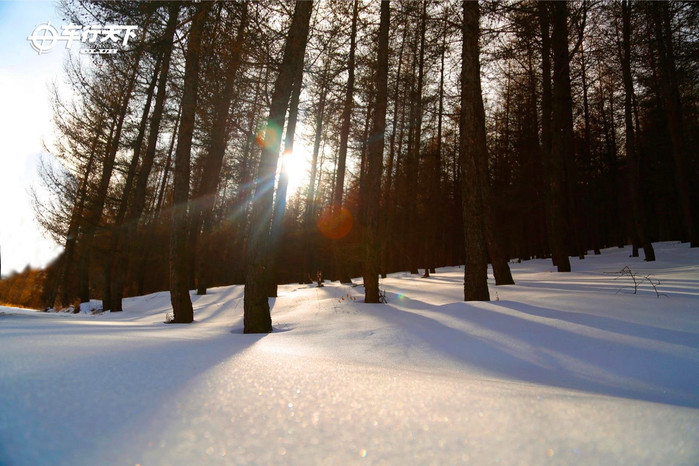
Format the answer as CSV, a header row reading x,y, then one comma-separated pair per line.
x,y
632,153
557,125
117,240
372,217
672,103
256,316
138,200
204,196
282,185
96,206
179,291
346,121
472,146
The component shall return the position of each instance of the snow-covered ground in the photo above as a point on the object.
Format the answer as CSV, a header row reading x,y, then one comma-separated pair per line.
x,y
560,369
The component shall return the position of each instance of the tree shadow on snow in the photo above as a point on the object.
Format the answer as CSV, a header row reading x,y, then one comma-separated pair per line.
x,y
568,349
134,376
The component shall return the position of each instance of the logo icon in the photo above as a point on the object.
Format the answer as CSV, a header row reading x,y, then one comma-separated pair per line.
x,y
46,41
45,37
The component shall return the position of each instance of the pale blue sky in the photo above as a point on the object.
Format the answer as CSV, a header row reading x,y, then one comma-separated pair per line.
x,y
25,121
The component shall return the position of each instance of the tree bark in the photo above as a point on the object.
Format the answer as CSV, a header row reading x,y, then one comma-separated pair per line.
x,y
179,291
204,197
66,264
94,214
673,111
257,318
139,197
561,136
472,145
374,164
632,154
115,253
283,184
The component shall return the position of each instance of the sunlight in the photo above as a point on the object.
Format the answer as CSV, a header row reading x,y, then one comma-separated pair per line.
x,y
296,166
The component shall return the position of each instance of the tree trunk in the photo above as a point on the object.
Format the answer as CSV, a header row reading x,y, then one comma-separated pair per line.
x,y
94,214
413,253
632,154
346,112
374,166
673,112
338,191
145,239
205,195
472,146
256,316
66,264
389,197
115,253
310,267
280,201
179,291
434,170
139,196
561,136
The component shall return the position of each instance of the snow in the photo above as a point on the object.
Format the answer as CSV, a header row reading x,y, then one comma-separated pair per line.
x,y
560,368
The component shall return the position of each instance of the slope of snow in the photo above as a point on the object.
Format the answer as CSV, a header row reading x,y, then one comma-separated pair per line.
x,y
560,368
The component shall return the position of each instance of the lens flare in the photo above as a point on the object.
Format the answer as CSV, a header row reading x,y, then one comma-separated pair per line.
x,y
335,222
267,136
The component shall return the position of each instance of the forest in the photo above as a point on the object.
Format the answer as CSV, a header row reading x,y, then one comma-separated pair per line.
x,y
262,143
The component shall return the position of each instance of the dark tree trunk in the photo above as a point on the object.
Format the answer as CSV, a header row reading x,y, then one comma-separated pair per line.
x,y
139,197
413,252
472,146
559,138
204,197
115,253
434,171
179,291
246,189
66,264
374,166
669,88
346,112
389,198
632,154
146,238
546,98
338,191
310,267
280,201
94,214
256,316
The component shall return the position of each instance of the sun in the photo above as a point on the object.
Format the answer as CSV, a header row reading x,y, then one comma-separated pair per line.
x,y
296,166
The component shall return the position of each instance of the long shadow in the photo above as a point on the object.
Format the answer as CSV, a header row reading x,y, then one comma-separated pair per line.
x,y
610,288
518,348
52,389
615,285
609,324
226,300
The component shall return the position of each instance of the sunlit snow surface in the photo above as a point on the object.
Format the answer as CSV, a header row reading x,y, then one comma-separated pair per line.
x,y
559,369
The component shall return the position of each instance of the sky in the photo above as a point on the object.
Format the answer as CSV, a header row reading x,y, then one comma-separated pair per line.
x,y
25,122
